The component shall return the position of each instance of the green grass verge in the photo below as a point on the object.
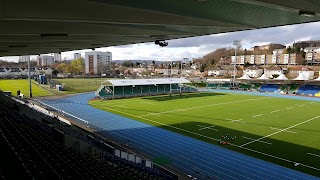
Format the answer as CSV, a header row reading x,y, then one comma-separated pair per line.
x,y
23,86
79,85
257,117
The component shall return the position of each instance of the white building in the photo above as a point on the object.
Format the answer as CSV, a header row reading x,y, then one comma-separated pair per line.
x,y
57,57
76,55
97,62
45,60
24,71
216,72
253,72
3,72
194,66
272,70
24,58
15,72
47,71
296,71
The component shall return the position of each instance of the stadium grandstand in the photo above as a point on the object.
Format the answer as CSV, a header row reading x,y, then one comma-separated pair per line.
x,y
219,83
44,146
144,87
306,88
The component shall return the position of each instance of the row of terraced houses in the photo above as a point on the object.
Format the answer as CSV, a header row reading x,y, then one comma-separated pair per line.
x,y
311,48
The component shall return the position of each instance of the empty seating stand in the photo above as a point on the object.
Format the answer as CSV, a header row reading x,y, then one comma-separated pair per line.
x,y
269,88
142,90
219,85
292,88
30,150
245,86
309,90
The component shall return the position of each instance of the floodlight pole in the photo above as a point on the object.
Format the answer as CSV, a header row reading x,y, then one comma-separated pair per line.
x,y
29,76
236,43
170,75
181,75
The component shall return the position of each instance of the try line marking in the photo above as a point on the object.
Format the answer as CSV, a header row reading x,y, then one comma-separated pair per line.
x,y
280,131
313,154
203,106
235,120
257,115
207,127
258,141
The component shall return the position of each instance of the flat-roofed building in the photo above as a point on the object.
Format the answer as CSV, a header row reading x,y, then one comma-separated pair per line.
x,y
97,62
25,58
45,60
57,57
76,55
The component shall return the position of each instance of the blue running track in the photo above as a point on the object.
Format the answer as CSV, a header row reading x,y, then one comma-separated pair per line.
x,y
186,153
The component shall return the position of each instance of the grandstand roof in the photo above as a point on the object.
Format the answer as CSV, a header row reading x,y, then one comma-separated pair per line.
x,y
130,82
301,77
263,77
245,76
218,80
281,77
61,28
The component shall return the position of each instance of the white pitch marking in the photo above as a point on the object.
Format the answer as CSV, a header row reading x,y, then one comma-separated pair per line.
x,y
146,103
274,111
206,127
257,115
119,106
313,154
281,129
153,114
235,120
218,140
289,108
208,105
258,141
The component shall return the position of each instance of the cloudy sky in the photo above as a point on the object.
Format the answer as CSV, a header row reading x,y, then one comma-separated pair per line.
x,y
198,46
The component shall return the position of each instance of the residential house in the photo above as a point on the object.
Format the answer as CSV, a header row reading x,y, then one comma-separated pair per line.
x,y
272,70
295,71
24,71
194,66
253,71
216,72
47,71
15,72
229,71
312,54
3,72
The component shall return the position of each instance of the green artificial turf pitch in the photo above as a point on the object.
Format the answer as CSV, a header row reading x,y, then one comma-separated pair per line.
x,y
23,86
278,130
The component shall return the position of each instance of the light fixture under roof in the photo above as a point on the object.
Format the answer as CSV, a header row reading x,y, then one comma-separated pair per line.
x,y
53,35
307,13
17,46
